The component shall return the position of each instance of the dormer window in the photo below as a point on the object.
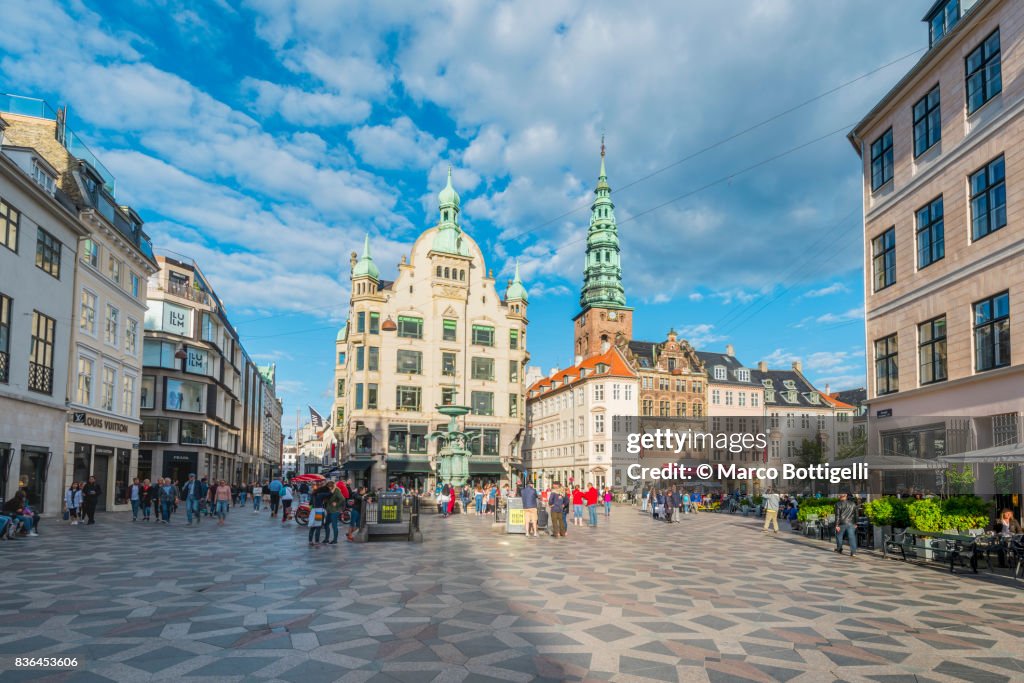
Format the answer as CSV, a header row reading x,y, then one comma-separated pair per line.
x,y
943,19
601,368
720,372
790,384
43,177
743,375
812,397
769,395
790,396
768,384
583,373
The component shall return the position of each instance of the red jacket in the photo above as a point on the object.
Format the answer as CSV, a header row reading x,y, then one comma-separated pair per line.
x,y
577,497
591,495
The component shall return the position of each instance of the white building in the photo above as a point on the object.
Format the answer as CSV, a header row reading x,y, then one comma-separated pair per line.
x,y
571,420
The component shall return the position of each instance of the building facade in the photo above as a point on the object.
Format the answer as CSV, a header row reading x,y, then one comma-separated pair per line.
x,y
202,397
944,260
573,418
440,333
273,437
39,237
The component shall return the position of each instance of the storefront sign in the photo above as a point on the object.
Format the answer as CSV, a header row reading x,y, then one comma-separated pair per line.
x,y
390,509
198,362
516,523
177,320
99,423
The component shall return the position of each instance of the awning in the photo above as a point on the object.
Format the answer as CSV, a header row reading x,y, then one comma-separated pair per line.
x,y
888,463
486,468
399,466
1012,454
357,465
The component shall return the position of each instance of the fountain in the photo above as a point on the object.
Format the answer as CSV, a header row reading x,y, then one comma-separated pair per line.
x,y
453,454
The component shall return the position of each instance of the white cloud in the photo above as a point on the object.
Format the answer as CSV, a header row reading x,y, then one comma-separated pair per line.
x,y
834,288
846,316
302,107
695,296
400,144
701,334
780,359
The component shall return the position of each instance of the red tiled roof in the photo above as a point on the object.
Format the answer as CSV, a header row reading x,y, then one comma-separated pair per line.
x,y
617,367
836,403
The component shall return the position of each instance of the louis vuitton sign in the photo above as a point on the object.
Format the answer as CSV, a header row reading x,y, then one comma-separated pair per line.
x,y
99,423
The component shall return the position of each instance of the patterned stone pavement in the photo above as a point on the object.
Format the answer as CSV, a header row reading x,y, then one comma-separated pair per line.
x,y
709,599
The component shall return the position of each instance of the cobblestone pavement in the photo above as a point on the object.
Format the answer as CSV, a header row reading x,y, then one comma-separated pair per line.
x,y
708,599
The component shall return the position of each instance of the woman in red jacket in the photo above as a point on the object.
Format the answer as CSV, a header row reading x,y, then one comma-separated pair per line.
x,y
577,506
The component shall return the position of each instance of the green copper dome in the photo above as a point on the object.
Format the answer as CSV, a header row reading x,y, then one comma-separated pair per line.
x,y
365,267
342,333
448,240
448,197
516,291
602,273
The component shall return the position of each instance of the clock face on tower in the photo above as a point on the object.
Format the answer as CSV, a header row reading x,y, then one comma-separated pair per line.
x,y
612,315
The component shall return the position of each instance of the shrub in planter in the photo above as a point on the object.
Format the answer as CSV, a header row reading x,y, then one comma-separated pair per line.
x,y
887,511
926,515
811,509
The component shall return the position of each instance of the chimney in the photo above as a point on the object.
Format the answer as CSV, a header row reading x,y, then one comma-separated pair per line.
x,y
577,360
762,366
827,392
605,346
798,366
553,372
729,350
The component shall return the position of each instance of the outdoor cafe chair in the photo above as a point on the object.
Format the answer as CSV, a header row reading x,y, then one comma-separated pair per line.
x,y
895,541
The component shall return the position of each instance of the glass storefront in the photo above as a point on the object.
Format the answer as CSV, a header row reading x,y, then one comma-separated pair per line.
x,y
32,477
101,462
145,467
121,481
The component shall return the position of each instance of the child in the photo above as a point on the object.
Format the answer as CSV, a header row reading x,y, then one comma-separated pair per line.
x,y
72,500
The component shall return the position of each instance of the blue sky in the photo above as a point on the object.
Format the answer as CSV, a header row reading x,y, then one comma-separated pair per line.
x,y
263,138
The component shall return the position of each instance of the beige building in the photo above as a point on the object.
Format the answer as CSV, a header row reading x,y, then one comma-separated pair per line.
x,y
944,255
441,333
573,419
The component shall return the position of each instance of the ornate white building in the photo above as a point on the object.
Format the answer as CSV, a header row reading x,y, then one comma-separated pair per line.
x,y
440,333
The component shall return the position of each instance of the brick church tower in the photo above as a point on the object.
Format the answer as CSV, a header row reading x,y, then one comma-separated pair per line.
x,y
604,319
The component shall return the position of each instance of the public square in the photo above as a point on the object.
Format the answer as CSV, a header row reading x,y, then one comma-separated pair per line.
x,y
707,599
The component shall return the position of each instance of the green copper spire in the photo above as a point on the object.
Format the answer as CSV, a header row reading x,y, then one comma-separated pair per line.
x,y
516,289
365,267
448,239
602,273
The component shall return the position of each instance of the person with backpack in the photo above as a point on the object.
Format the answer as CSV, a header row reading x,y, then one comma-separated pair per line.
x,y
286,502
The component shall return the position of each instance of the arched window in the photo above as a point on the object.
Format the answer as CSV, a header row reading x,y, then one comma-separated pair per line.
x,y
447,273
462,275
439,271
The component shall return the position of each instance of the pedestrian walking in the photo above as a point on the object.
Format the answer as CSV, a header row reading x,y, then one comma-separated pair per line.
x,y
646,498
771,511
243,494
91,497
558,504
146,492
607,502
221,495
72,498
529,498
846,524
287,495
592,501
257,496
194,492
478,500
355,505
274,488
135,498
169,496
577,506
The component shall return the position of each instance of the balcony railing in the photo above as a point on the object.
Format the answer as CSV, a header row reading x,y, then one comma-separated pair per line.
x,y
4,367
183,290
40,378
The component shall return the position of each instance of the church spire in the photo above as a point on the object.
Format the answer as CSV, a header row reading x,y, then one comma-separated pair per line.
x,y
602,273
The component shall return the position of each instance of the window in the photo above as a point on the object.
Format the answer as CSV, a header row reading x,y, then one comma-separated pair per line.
x,y
483,335
680,409
135,285
927,122
341,357
197,361
90,253
931,243
359,396
48,253
410,362
360,358
883,261
720,372
728,398
663,408
698,387
167,317
113,325
886,370
698,409
753,400
598,392
716,397
663,384
107,389
128,395
449,330
147,395
513,371
5,338
411,328
186,396
373,358
114,270
398,439
371,396
482,402
360,322
483,368
40,366
408,398
599,424
210,328
513,339
155,429
9,219
159,354
131,337
940,23
931,340
84,394
447,396
87,316
374,323
741,398
881,160
513,405
341,388
489,442
192,432
984,75
992,332
647,407
988,198
448,360
743,375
